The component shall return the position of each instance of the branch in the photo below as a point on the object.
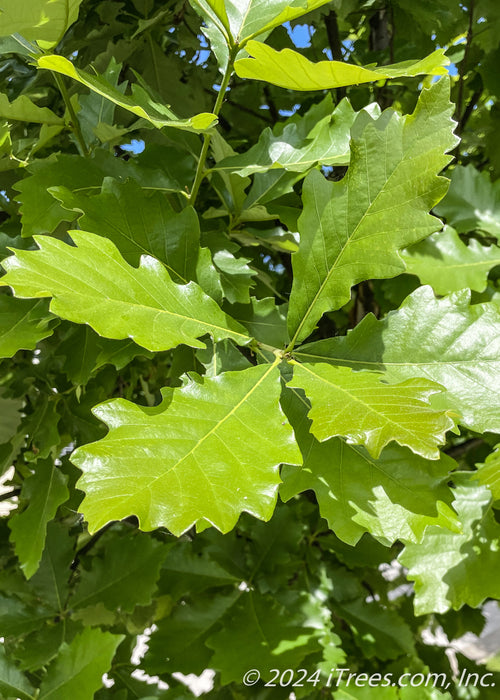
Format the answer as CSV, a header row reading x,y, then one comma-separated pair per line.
x,y
332,31
463,69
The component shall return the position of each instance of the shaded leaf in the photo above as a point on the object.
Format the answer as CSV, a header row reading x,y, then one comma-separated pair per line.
x,y
13,683
123,576
257,633
44,491
472,202
179,642
92,283
139,222
447,264
227,432
23,109
352,230
84,353
23,324
78,669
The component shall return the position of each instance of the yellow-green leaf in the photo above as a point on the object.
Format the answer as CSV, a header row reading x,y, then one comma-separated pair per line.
x,y
209,452
289,69
139,103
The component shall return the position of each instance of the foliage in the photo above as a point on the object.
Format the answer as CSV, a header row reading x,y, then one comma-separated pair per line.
x,y
250,344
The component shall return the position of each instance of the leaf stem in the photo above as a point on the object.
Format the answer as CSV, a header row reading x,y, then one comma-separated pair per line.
x,y
75,124
200,170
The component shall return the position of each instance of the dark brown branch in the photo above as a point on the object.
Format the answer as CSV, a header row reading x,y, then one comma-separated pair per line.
x,y
458,451
476,96
9,494
332,31
462,70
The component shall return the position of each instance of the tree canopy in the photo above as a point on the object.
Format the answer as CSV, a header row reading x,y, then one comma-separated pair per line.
x,y
250,347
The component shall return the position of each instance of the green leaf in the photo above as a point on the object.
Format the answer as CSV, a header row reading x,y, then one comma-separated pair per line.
x,y
239,20
124,576
44,21
259,632
379,633
447,264
92,283
394,497
227,432
139,222
472,202
10,416
22,324
23,109
13,683
289,69
51,580
455,569
97,112
352,230
445,340
40,211
321,136
179,642
139,103
84,353
488,473
41,425
77,671
44,491
365,410
264,320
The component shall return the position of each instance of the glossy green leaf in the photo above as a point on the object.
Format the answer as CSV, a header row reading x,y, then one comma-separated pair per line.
x,y
367,411
44,21
92,283
455,569
228,432
22,324
23,109
77,671
239,20
44,491
393,497
352,230
472,202
139,103
289,69
13,683
124,576
445,340
448,264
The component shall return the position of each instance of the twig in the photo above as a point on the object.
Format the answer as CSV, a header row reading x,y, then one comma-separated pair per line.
x,y
463,68
332,31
